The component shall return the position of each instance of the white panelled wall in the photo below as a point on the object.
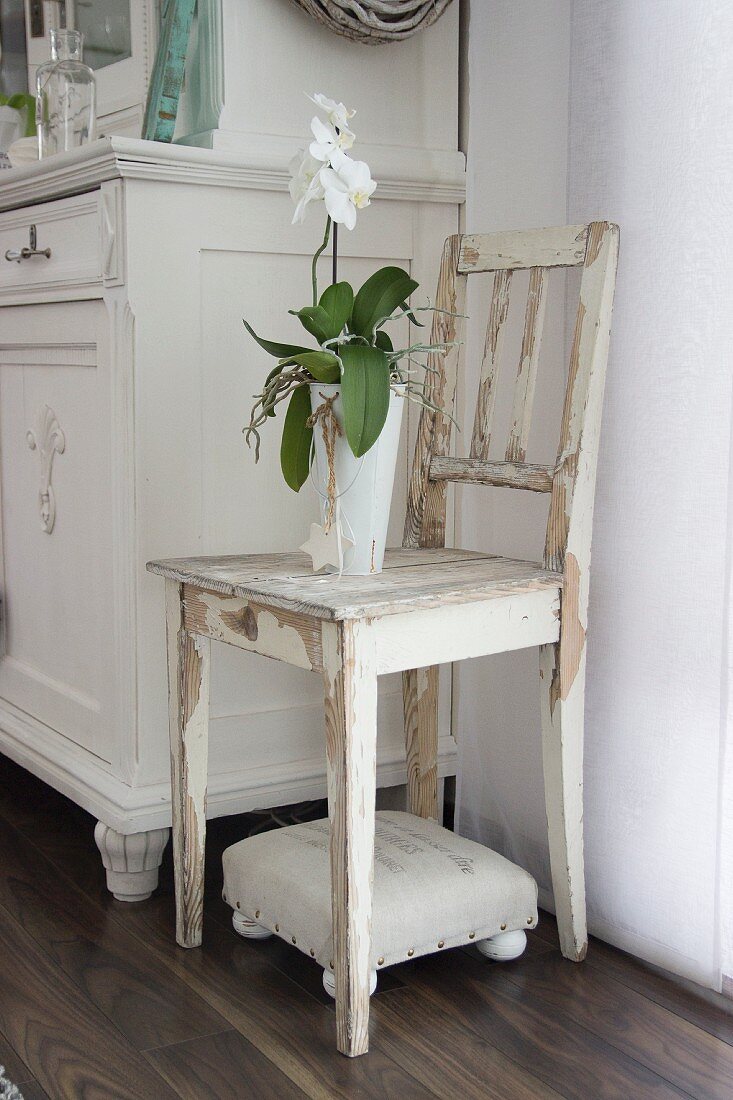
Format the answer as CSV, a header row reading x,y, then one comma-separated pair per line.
x,y
621,110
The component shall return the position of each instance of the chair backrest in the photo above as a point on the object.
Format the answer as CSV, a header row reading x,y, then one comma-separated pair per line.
x,y
571,480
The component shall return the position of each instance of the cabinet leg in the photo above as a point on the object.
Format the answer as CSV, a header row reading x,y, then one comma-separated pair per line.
x,y
131,860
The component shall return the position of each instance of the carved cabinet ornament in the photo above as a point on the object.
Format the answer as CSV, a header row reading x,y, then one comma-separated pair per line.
x,y
375,21
49,440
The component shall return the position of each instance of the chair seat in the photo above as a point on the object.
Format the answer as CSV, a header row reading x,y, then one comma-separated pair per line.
x,y
412,579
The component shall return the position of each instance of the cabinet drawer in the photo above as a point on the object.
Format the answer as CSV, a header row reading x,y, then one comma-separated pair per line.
x,y
71,229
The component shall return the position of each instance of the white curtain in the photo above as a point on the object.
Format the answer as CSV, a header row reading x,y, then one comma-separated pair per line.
x,y
625,107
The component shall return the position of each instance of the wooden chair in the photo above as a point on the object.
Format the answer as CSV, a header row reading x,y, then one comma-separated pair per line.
x,y
429,606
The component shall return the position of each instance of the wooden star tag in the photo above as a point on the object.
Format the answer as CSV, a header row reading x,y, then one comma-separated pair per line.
x,y
327,547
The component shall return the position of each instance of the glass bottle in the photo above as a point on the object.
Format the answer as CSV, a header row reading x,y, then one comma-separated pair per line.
x,y
65,96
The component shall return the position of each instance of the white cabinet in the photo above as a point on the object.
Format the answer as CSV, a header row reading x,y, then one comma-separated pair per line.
x,y
124,361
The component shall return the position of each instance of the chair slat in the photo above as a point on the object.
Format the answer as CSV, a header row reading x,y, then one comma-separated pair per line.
x,y
507,475
556,247
490,364
534,319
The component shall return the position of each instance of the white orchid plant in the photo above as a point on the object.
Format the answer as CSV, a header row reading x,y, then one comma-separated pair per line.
x,y
353,347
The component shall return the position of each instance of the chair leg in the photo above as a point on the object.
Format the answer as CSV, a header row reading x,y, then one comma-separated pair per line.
x,y
420,702
350,681
188,695
562,752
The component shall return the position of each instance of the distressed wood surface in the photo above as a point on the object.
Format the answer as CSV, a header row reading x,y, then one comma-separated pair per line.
x,y
226,572
425,519
188,691
420,703
166,80
571,483
571,505
561,246
271,632
534,319
507,475
350,682
432,582
493,346
429,606
568,548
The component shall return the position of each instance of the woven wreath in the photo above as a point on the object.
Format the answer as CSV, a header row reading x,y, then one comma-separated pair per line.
x,y
375,21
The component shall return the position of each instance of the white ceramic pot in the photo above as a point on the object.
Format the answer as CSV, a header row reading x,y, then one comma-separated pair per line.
x,y
11,127
363,485
23,151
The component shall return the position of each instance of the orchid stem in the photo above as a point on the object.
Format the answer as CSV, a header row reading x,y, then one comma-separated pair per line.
x,y
314,274
335,254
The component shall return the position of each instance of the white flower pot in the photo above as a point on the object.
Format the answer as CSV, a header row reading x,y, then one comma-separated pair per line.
x,y
11,127
363,485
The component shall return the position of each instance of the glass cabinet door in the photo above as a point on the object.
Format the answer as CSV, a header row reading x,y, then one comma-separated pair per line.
x,y
106,27
120,37
13,61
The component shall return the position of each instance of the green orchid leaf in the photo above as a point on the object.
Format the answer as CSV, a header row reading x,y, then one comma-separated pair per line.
x,y
323,365
411,316
316,321
338,301
383,341
280,351
379,297
295,448
21,101
364,394
273,374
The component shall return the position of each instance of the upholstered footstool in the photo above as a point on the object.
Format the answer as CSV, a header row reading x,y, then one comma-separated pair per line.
x,y
432,890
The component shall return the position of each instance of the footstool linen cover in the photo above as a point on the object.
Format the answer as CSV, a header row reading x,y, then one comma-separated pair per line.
x,y
432,889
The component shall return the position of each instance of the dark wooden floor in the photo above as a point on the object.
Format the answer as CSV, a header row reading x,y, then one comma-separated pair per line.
x,y
97,1002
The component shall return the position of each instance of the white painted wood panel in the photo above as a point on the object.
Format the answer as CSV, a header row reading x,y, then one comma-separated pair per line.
x,y
56,594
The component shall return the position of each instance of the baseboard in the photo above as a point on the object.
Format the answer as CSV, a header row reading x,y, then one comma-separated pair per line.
x,y
138,809
651,951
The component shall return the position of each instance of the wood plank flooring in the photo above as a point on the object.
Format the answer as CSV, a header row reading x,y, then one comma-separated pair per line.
x,y
98,1003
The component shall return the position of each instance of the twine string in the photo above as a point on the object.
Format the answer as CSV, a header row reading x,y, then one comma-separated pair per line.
x,y
331,431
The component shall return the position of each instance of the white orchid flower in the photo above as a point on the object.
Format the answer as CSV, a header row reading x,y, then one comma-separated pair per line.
x,y
348,186
305,183
327,140
336,113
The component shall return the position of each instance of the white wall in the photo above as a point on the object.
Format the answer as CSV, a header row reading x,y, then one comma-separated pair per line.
x,y
622,110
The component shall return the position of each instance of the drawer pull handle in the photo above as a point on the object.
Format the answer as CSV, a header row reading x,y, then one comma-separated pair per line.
x,y
24,253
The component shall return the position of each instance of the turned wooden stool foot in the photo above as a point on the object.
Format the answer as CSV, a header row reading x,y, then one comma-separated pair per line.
x,y
329,982
504,946
243,926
